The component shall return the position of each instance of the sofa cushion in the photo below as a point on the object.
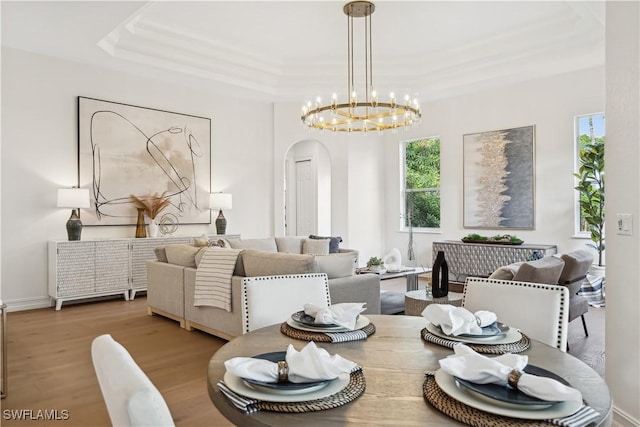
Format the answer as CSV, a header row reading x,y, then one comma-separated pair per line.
x,y
201,241
334,242
261,263
337,265
290,245
267,245
161,253
545,270
315,247
182,254
576,265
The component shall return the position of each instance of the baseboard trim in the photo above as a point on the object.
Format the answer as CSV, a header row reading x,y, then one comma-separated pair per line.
x,y
621,418
27,303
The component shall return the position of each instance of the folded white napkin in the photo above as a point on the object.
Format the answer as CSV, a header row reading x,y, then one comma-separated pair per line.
x,y
307,365
343,314
458,320
471,366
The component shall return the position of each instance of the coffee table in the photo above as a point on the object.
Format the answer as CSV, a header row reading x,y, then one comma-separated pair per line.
x,y
411,273
416,301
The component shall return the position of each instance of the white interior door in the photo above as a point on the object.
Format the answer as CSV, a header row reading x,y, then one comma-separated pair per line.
x,y
306,198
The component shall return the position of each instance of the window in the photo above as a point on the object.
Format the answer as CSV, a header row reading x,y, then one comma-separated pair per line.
x,y
421,182
589,129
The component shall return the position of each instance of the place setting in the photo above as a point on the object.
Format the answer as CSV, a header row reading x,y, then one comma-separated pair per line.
x,y
308,380
335,323
503,391
448,325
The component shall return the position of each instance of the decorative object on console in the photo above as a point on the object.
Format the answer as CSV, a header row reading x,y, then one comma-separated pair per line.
x,y
125,149
220,201
500,239
74,198
151,205
141,229
440,277
499,179
367,114
393,260
168,224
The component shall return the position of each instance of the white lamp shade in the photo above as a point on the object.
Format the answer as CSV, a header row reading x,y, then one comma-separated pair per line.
x,y
219,201
73,198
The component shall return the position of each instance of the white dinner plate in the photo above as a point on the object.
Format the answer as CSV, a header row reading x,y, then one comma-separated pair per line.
x,y
360,323
512,336
238,385
561,409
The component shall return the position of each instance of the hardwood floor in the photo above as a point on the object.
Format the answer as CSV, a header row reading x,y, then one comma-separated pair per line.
x,y
50,367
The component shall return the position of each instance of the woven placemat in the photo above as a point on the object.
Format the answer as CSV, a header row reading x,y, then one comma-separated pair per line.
x,y
516,347
466,414
317,336
351,392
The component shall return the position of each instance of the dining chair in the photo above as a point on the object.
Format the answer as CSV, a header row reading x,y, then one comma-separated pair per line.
x,y
539,310
130,396
267,300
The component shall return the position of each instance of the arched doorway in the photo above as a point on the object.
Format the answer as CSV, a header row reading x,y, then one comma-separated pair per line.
x,y
307,189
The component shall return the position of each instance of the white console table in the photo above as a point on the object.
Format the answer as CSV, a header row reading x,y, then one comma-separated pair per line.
x,y
93,268
482,259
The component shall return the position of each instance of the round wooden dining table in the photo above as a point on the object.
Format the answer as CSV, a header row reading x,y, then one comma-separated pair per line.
x,y
394,360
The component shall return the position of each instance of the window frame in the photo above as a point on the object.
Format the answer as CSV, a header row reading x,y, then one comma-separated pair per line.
x,y
403,190
578,232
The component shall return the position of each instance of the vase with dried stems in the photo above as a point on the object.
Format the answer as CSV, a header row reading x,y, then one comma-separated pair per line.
x,y
151,206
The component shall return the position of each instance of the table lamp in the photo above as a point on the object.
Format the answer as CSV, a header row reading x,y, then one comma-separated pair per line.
x,y
220,201
74,198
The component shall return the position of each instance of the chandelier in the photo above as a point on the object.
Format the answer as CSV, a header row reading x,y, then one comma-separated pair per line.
x,y
369,113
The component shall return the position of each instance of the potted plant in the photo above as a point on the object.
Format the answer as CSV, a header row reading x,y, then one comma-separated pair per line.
x,y
151,206
375,264
591,187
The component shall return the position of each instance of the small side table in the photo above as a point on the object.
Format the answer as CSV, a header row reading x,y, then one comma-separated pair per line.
x,y
416,301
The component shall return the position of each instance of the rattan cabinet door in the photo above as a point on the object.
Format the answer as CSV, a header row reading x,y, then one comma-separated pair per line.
x,y
112,266
75,269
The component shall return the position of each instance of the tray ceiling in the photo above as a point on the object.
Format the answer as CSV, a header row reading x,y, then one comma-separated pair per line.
x,y
297,50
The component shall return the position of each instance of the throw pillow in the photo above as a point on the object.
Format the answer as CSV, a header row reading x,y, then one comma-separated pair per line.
x,y
260,263
182,254
161,254
337,265
545,270
267,245
315,247
201,241
291,245
334,242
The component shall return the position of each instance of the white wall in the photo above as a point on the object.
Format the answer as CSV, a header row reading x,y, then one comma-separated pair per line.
x,y
39,155
550,104
623,196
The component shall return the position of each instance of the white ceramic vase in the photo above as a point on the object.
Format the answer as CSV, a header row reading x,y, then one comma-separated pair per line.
x,y
152,228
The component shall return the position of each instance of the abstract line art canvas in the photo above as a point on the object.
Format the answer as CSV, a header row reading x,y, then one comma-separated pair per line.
x,y
499,179
124,149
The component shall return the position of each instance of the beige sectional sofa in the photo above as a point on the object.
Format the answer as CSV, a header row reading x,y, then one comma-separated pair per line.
x,y
171,279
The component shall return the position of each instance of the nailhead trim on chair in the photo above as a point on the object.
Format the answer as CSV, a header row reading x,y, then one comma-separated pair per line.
x,y
556,288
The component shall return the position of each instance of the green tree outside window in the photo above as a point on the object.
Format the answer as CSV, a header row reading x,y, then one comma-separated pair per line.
x,y
422,183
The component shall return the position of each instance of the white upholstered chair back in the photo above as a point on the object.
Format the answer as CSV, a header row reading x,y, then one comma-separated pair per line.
x,y
130,396
540,311
268,300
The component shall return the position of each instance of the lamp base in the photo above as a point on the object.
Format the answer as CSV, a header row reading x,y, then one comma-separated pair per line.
x,y
74,226
221,224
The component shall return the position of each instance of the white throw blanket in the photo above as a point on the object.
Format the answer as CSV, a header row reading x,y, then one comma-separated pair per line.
x,y
213,278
